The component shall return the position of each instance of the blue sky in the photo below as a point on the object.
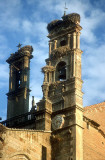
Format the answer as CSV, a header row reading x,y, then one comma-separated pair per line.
x,y
25,21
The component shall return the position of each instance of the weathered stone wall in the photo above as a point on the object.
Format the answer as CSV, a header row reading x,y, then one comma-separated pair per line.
x,y
62,145
18,144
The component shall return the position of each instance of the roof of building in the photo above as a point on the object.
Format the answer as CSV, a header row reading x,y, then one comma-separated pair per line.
x,y
96,113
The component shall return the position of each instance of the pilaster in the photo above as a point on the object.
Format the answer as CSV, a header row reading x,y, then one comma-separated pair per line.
x,y
43,118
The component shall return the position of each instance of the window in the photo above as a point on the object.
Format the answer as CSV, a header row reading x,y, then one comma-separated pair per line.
x,y
44,153
63,43
47,77
18,80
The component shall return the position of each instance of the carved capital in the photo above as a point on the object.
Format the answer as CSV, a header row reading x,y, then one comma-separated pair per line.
x,y
48,69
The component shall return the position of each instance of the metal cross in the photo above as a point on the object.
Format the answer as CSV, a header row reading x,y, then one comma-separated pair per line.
x,y
19,46
65,8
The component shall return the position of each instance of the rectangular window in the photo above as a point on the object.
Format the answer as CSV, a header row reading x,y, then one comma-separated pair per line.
x,y
44,153
47,77
87,125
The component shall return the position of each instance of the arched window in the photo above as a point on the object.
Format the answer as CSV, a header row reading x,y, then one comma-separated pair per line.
x,y
18,80
63,43
61,71
19,156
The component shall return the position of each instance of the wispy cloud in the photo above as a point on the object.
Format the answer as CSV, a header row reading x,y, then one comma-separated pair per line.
x,y
26,22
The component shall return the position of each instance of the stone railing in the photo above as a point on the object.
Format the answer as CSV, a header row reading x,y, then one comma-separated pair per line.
x,y
20,120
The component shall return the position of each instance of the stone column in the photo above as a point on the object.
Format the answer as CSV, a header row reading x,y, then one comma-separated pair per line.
x,y
55,44
68,41
77,130
26,62
50,48
50,77
73,64
24,77
10,78
45,77
78,40
74,40
54,76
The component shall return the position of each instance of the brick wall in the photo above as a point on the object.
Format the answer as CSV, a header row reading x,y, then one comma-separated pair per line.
x,y
93,144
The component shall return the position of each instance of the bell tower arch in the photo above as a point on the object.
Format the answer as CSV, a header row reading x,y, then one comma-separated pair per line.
x,y
60,74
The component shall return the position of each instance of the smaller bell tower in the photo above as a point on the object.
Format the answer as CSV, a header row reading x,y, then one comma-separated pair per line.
x,y
18,95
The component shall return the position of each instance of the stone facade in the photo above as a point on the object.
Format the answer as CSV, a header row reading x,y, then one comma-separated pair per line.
x,y
62,128
16,144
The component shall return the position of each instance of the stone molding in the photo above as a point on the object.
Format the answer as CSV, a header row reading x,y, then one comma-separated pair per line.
x,y
48,69
24,51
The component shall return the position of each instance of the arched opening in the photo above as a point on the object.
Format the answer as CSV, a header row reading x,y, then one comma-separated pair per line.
x,y
18,80
19,156
63,43
61,71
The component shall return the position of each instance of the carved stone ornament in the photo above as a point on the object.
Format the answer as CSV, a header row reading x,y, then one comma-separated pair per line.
x,y
60,52
58,122
48,69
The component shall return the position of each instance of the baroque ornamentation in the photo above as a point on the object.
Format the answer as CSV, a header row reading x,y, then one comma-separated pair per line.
x,y
60,52
48,68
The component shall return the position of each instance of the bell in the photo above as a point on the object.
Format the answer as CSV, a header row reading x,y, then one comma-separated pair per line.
x,y
62,73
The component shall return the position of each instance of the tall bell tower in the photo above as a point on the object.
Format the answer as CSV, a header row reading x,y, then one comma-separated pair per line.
x,y
18,95
62,89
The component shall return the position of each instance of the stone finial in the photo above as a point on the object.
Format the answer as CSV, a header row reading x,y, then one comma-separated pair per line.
x,y
33,101
34,108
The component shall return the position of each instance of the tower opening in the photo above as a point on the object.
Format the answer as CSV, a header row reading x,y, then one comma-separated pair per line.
x,y
61,71
63,43
18,79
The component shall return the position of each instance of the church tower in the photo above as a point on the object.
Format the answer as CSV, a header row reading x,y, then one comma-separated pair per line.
x,y
62,89
18,95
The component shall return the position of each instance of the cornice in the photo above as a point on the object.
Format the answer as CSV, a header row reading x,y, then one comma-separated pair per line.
x,y
48,69
24,51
